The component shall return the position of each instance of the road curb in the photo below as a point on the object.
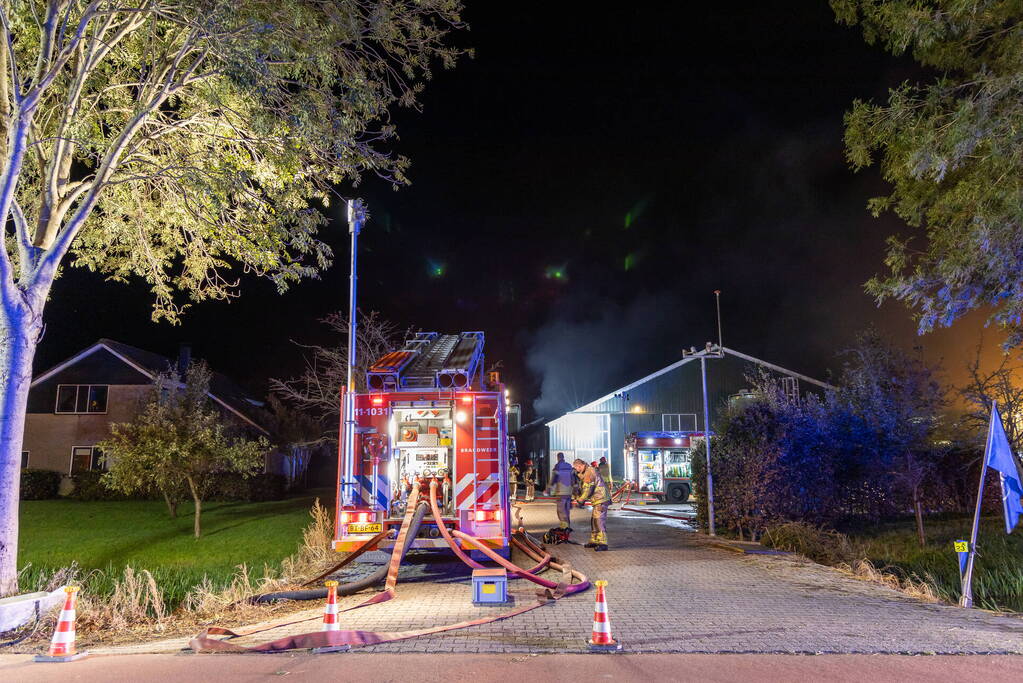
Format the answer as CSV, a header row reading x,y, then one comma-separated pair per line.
x,y
747,548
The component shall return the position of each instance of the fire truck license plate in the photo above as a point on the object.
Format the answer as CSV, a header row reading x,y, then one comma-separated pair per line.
x,y
365,528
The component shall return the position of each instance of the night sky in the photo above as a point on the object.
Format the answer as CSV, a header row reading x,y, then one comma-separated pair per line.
x,y
579,189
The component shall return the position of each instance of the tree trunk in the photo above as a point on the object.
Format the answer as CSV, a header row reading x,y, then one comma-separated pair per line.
x,y
198,516
918,508
19,332
172,505
198,507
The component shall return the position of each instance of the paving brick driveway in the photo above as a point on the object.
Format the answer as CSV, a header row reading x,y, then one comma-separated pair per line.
x,y
669,590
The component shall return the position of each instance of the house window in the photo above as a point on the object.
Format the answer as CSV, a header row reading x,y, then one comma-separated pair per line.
x,y
85,458
678,422
24,459
81,398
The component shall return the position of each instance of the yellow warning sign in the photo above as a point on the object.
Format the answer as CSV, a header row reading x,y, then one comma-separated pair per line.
x,y
962,546
490,588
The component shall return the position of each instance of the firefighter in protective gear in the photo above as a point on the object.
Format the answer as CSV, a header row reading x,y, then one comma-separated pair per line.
x,y
530,478
604,469
595,491
513,481
561,488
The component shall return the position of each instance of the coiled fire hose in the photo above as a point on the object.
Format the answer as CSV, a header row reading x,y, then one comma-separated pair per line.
x,y
460,554
551,591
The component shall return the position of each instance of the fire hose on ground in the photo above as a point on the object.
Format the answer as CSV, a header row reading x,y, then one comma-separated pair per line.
x,y
359,584
550,591
687,518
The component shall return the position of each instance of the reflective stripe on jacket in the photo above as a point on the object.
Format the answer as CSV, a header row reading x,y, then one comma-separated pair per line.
x,y
593,487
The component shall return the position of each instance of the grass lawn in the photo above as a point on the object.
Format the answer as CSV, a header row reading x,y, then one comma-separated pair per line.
x,y
998,571
106,536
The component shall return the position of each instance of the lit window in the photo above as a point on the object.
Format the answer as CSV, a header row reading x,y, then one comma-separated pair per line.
x,y
85,458
81,398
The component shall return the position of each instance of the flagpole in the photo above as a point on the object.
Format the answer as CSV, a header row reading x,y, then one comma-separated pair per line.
x,y
967,598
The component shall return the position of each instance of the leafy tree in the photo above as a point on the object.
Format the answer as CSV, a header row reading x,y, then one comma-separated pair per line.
x,y
316,391
744,459
865,449
181,142
949,148
900,400
179,440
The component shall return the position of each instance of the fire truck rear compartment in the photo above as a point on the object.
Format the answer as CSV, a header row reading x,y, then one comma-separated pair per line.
x,y
423,449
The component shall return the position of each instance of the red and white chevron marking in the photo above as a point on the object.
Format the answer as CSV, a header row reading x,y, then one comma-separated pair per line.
x,y
471,491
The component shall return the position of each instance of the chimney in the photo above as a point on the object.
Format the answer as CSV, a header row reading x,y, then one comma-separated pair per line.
x,y
184,358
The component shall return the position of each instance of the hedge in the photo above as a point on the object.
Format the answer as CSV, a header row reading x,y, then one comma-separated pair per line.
x,y
258,488
39,484
89,486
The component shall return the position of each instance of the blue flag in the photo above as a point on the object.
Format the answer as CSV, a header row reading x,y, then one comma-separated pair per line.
x,y
999,457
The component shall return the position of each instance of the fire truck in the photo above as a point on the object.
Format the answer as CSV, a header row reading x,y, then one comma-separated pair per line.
x,y
659,463
428,415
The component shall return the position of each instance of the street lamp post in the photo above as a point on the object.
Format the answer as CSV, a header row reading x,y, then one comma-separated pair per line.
x,y
706,440
709,352
356,219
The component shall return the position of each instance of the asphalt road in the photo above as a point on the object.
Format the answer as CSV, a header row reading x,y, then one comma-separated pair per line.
x,y
480,668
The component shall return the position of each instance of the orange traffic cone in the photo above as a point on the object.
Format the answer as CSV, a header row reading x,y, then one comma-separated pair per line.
x,y
62,647
330,622
601,640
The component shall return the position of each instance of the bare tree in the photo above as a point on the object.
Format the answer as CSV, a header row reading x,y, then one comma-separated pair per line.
x,y
317,391
1003,384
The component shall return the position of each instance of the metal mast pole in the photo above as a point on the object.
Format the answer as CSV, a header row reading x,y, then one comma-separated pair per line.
x,y
717,299
356,218
706,440
967,597
625,456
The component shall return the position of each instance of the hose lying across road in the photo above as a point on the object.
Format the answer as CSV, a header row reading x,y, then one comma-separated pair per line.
x,y
359,584
550,591
661,514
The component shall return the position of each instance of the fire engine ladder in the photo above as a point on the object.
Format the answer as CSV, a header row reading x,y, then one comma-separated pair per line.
x,y
485,435
423,372
464,361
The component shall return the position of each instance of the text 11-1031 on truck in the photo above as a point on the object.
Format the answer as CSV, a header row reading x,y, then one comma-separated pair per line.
x,y
429,414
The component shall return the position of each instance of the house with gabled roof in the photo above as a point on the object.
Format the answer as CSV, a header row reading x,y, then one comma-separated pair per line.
x,y
72,405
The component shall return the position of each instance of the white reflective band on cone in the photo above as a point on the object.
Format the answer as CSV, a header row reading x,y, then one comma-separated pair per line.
x,y
63,637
